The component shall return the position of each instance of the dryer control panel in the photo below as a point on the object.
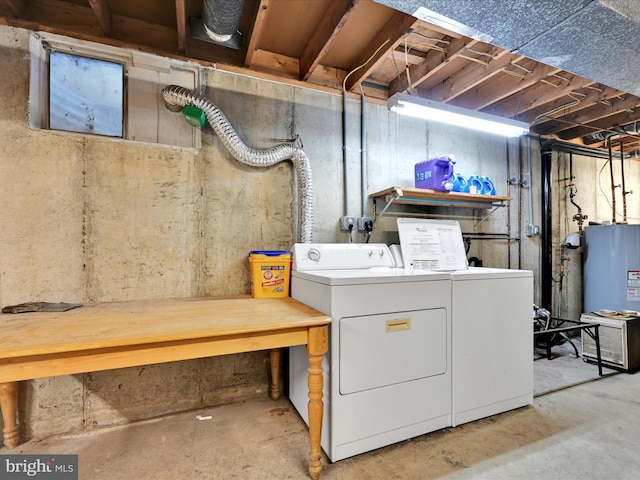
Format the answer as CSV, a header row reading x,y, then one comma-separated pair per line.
x,y
338,256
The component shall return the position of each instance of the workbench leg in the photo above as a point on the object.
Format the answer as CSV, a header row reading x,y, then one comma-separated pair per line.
x,y
9,406
275,356
316,348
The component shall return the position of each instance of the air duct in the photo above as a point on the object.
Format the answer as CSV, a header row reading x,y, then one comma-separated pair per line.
x,y
221,18
179,96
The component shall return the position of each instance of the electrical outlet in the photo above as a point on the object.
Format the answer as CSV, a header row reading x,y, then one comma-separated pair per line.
x,y
532,230
347,224
365,224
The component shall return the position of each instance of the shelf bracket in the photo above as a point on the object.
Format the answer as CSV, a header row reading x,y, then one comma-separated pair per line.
x,y
389,201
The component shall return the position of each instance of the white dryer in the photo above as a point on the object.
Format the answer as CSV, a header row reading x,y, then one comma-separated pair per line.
x,y
388,369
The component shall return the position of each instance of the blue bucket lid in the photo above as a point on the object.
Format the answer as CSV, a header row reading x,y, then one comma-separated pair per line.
x,y
270,253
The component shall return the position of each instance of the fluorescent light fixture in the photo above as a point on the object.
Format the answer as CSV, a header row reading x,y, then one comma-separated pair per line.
x,y
441,112
435,18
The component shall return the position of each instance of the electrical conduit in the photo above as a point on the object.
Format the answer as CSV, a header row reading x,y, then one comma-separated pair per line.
x,y
176,96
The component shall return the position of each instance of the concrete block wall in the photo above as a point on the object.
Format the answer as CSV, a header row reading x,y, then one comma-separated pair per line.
x,y
89,219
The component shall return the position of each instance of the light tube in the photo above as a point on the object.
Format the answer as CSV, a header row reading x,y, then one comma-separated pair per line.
x,y
453,115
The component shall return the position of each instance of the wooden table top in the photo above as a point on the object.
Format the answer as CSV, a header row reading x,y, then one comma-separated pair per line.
x,y
114,324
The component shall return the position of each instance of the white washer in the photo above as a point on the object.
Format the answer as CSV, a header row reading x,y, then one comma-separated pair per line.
x,y
492,342
388,369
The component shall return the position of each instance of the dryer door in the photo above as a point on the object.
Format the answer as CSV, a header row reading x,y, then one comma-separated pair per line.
x,y
386,349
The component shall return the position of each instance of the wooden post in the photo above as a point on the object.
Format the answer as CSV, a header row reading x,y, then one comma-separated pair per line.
x,y
9,406
316,347
275,356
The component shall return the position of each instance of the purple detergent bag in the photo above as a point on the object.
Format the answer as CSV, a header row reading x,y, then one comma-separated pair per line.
x,y
436,173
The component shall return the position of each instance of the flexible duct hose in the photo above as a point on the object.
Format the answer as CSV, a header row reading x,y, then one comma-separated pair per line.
x,y
179,96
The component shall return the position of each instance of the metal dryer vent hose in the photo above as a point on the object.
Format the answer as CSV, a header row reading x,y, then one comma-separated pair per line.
x,y
175,96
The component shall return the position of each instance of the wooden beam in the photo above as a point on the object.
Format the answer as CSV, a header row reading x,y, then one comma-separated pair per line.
x,y
13,8
471,75
586,115
103,14
535,94
588,96
386,40
503,86
256,32
181,23
282,65
433,63
604,123
335,17
79,21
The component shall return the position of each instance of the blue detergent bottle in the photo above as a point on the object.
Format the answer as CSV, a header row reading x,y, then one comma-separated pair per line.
x,y
459,183
488,188
474,184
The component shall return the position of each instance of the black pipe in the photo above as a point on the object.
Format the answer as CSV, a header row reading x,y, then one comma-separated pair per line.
x,y
475,261
624,191
613,187
481,234
560,146
546,270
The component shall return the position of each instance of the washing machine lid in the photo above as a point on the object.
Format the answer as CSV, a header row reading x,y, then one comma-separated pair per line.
x,y
486,273
368,276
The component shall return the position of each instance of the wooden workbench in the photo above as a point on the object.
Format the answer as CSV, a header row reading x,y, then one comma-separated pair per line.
x,y
105,336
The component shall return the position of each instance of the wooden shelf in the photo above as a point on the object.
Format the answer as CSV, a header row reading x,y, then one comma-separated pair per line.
x,y
422,196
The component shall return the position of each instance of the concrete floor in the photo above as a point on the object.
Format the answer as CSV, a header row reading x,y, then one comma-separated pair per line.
x,y
580,426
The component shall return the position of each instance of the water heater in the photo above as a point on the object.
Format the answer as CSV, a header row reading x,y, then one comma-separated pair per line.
x,y
611,268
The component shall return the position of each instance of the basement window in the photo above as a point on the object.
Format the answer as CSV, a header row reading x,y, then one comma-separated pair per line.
x,y
86,88
86,95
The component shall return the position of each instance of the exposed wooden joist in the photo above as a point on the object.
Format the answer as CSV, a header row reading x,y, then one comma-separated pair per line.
x,y
574,101
385,40
470,76
605,123
585,115
434,62
77,21
181,23
505,85
266,61
256,33
631,143
13,8
538,93
103,14
324,35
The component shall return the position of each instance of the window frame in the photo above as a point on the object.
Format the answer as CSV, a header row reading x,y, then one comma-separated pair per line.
x,y
145,118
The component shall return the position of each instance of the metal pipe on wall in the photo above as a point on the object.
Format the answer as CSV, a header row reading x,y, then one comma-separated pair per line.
x,y
519,178
531,229
345,164
363,155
